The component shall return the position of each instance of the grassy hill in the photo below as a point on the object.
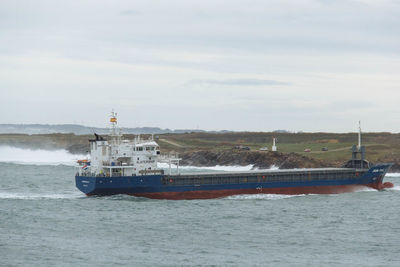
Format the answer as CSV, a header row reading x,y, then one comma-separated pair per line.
x,y
378,145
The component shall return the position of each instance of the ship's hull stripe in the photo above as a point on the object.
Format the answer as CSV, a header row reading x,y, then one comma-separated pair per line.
x,y
204,194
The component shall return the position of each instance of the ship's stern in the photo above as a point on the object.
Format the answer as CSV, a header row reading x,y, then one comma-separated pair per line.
x,y
86,184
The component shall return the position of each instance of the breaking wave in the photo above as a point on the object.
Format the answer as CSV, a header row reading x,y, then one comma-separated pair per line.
x,y
394,188
9,195
25,156
214,168
274,167
393,174
366,189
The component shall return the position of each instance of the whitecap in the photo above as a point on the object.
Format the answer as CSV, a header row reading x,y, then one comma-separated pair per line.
x,y
394,188
392,174
274,167
366,189
33,196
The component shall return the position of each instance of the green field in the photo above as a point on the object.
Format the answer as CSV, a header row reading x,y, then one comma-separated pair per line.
x,y
379,146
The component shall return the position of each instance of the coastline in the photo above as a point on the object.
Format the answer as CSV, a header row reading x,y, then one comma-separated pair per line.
x,y
208,149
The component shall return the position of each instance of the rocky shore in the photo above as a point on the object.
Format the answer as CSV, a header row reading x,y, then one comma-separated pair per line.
x,y
261,160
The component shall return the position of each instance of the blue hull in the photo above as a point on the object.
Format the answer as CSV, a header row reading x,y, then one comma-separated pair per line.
x,y
154,186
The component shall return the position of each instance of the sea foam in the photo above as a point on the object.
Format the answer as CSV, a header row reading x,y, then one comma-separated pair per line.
x,y
394,188
33,196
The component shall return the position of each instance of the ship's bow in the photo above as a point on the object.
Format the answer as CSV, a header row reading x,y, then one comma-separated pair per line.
x,y
376,175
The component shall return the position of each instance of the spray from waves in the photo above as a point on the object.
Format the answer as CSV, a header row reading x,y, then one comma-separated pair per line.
x,y
214,168
393,174
37,157
274,167
394,188
366,189
31,196
263,196
280,196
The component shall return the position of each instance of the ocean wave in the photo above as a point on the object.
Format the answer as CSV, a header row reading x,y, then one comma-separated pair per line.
x,y
25,156
366,189
32,196
281,196
394,188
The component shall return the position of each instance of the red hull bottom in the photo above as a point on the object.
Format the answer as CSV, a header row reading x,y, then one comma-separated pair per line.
x,y
283,191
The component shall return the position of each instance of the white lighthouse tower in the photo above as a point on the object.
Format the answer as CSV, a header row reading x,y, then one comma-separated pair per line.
x,y
274,144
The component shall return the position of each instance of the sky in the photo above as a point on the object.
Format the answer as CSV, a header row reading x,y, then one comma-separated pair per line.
x,y
307,65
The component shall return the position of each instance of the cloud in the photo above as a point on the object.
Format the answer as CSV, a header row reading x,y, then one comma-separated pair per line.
x,y
308,64
239,82
129,12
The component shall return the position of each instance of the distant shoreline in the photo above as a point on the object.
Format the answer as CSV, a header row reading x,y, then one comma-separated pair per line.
x,y
210,149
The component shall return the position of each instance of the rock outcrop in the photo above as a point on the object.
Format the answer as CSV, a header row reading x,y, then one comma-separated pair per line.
x,y
260,160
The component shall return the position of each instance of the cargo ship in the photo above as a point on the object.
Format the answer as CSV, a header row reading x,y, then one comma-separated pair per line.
x,y
119,166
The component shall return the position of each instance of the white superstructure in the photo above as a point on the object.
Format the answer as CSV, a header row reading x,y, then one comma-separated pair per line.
x,y
119,157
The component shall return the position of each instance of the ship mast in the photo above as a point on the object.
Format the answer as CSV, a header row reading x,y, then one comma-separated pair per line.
x,y
358,149
115,134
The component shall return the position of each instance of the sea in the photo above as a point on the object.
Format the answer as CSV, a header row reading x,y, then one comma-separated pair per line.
x,y
46,221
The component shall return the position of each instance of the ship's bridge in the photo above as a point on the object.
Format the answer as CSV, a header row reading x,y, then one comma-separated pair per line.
x,y
123,158
149,147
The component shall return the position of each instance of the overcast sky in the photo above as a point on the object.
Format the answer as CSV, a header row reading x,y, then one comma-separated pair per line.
x,y
213,65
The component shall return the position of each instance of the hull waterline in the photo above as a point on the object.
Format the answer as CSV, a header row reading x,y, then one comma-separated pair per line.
x,y
210,194
281,191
